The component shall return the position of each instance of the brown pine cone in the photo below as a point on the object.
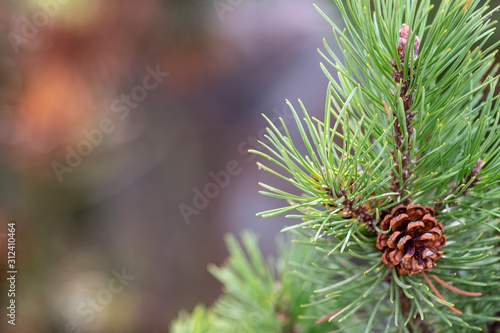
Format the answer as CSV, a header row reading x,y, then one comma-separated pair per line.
x,y
415,239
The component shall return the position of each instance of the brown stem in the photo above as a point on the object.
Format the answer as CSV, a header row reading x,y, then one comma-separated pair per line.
x,y
350,207
403,145
494,327
416,320
353,210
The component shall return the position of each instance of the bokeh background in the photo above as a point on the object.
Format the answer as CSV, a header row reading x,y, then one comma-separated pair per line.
x,y
102,175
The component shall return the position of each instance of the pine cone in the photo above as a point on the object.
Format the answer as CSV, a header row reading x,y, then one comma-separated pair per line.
x,y
415,239
404,35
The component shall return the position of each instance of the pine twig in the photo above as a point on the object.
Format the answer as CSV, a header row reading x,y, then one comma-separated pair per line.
x,y
407,87
416,320
472,175
351,209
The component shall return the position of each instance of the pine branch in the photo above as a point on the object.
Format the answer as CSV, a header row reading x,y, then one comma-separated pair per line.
x,y
367,177
438,126
350,207
259,294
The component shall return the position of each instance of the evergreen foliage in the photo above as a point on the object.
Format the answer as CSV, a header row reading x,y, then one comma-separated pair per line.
x,y
259,295
411,118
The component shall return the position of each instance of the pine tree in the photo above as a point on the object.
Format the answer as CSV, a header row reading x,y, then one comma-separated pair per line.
x,y
396,206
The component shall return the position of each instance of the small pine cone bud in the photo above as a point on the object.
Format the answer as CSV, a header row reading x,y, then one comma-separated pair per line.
x,y
474,172
403,32
404,35
477,168
415,239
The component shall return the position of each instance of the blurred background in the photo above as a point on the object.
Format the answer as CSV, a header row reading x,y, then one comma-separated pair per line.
x,y
124,130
